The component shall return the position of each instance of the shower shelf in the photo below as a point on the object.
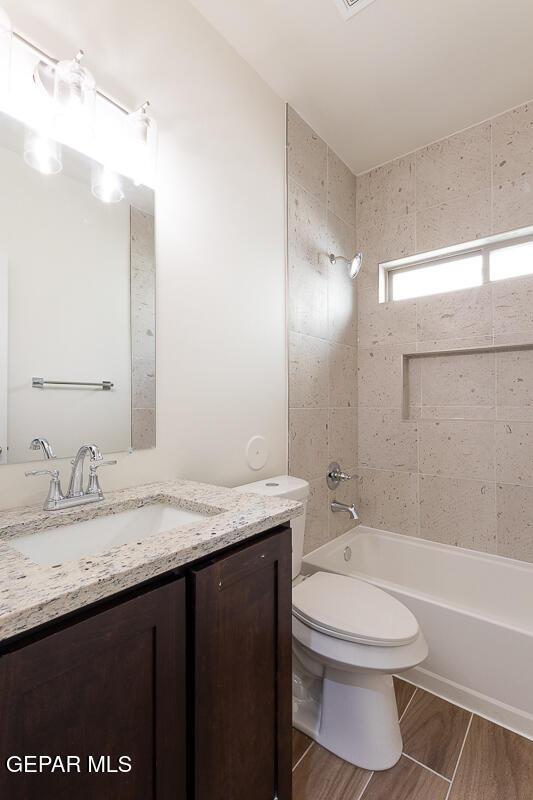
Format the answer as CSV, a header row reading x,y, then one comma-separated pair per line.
x,y
454,351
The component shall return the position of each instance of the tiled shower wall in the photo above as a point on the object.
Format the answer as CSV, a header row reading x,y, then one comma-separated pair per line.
x,y
460,470
322,325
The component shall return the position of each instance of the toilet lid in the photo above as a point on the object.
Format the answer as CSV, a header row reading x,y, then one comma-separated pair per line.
x,y
351,609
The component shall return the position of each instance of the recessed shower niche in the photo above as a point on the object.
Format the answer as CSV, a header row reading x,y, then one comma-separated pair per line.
x,y
489,382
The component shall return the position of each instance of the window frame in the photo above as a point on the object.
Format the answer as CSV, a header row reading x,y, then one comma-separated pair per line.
x,y
483,247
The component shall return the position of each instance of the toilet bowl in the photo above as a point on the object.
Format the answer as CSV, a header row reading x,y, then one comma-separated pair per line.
x,y
349,638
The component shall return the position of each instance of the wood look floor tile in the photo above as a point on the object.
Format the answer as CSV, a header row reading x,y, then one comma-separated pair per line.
x,y
323,776
403,691
300,743
406,781
495,765
433,732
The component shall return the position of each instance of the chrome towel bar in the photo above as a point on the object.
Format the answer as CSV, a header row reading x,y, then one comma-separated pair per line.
x,y
41,383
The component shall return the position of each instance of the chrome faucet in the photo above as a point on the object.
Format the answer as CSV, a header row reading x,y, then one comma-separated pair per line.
x,y
335,507
76,495
40,443
75,488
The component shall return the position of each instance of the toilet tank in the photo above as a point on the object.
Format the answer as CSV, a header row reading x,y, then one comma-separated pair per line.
x,y
292,489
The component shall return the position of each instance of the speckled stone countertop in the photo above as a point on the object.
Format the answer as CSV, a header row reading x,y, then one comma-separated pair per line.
x,y
31,595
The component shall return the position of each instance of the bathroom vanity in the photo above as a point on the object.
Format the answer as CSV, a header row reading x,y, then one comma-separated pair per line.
x,y
161,667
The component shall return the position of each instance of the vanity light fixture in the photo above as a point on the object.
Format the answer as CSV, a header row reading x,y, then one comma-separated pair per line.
x,y
106,184
6,36
74,95
42,153
141,136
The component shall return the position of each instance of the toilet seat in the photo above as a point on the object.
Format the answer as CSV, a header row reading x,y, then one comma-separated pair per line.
x,y
350,609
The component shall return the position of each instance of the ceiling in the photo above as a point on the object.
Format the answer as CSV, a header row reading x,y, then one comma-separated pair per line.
x,y
396,76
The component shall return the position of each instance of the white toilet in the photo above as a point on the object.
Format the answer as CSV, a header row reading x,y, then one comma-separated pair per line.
x,y
349,638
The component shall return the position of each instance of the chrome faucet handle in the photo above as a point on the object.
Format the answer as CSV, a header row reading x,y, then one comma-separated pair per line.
x,y
96,464
335,475
55,495
93,486
53,472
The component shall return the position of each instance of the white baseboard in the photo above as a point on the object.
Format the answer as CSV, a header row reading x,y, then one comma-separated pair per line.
x,y
507,716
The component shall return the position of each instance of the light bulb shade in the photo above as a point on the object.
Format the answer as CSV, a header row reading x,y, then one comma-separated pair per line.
x,y
141,143
6,36
42,153
74,96
106,184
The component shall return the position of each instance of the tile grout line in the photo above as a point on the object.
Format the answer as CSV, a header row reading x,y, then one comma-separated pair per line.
x,y
303,756
404,712
365,787
460,756
425,766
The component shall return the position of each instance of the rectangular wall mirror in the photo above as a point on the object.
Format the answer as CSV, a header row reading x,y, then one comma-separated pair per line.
x,y
77,307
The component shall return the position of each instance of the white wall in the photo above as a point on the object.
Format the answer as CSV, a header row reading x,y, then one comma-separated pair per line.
x,y
220,234
69,310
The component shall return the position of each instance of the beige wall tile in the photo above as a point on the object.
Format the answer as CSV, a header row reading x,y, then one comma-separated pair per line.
x,y
308,299
455,315
316,523
385,441
460,164
307,227
143,383
461,220
432,345
307,155
343,436
388,500
514,385
512,143
341,189
386,192
513,306
385,323
515,521
143,425
342,291
458,380
379,371
307,279
457,449
308,442
347,492
513,204
458,511
342,376
514,452
308,372
383,240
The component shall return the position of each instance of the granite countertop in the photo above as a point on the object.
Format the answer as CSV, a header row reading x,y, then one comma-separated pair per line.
x,y
31,595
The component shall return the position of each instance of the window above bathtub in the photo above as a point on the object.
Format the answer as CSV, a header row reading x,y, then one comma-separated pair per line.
x,y
463,266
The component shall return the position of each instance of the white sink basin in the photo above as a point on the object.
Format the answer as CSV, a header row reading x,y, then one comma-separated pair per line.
x,y
82,539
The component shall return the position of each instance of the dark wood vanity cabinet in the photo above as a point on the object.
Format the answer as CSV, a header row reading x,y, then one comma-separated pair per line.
x,y
111,685
189,679
242,674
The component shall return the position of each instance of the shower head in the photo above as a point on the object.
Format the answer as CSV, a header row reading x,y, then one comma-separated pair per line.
x,y
353,263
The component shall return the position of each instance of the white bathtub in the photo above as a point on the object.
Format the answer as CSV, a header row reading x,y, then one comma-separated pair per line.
x,y
476,612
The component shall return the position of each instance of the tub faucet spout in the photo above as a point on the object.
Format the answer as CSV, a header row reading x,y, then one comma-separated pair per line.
x,y
335,506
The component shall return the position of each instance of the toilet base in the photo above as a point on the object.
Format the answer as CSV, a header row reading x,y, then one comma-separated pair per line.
x,y
359,718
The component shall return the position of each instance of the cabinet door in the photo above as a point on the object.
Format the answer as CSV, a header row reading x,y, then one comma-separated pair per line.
x,y
242,668
111,685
